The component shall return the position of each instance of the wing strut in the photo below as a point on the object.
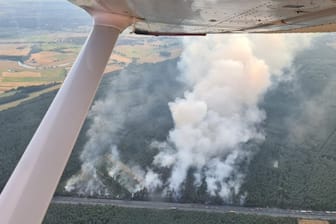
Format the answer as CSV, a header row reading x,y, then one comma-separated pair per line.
x,y
28,192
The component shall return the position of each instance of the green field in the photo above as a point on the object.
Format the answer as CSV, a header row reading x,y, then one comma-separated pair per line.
x,y
51,75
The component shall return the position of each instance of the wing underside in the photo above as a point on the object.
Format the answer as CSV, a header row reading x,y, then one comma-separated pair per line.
x,y
197,17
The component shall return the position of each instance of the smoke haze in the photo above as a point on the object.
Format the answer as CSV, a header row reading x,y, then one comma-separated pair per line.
x,y
219,115
131,102
215,118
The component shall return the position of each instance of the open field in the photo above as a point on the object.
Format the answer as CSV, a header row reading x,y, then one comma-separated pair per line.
x,y
34,58
142,53
46,76
43,58
307,221
29,97
14,49
119,58
21,74
7,65
157,57
37,59
5,86
111,67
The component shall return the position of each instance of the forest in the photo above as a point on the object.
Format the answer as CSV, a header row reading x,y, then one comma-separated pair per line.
x,y
293,168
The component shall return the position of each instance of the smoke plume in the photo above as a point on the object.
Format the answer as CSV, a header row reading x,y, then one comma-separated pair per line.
x,y
107,120
227,77
214,120
127,103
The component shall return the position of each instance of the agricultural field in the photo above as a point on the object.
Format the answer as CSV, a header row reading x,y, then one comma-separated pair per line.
x,y
307,221
26,63
40,60
39,46
11,49
14,97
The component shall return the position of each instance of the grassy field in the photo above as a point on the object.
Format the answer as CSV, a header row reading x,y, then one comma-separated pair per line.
x,y
45,76
21,74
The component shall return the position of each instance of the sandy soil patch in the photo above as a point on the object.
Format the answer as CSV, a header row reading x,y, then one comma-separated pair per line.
x,y
3,89
43,58
4,86
31,96
7,63
156,57
17,84
307,221
112,68
21,74
9,66
120,58
14,49
147,53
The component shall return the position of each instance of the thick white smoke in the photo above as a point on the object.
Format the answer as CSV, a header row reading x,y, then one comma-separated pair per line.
x,y
227,77
129,100
100,156
102,140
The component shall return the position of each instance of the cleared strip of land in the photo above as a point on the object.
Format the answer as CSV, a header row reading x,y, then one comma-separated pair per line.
x,y
21,74
274,212
31,96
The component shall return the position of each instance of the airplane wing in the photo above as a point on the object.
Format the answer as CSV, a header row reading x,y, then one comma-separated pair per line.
x,y
197,17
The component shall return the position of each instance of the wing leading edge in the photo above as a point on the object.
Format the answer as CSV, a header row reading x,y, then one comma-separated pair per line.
x,y
199,17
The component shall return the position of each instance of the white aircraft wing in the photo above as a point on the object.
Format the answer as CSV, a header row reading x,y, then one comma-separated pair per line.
x,y
197,17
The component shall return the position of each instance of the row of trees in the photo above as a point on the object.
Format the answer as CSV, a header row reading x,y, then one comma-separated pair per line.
x,y
17,126
68,214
